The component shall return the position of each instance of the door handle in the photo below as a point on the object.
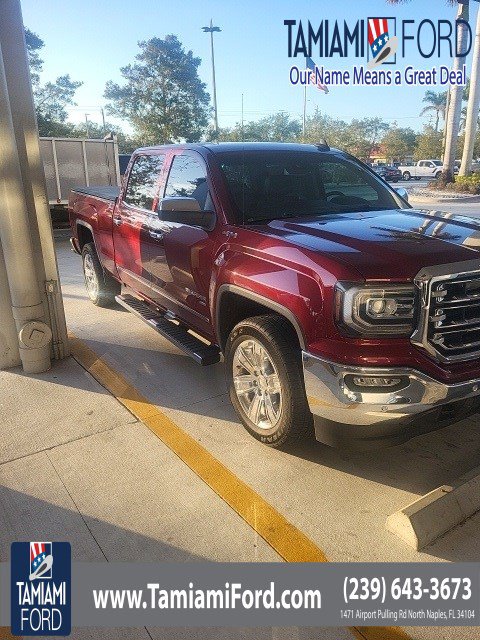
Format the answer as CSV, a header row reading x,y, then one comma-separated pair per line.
x,y
155,235
117,220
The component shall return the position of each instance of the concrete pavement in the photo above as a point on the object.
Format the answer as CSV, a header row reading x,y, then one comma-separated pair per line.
x,y
340,500
76,465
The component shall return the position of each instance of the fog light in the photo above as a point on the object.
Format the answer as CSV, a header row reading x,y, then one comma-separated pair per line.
x,y
362,381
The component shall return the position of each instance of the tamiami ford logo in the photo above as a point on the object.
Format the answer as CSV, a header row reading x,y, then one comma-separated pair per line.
x,y
377,45
40,583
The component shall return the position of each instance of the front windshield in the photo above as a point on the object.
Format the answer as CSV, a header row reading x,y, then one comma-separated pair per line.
x,y
272,185
438,163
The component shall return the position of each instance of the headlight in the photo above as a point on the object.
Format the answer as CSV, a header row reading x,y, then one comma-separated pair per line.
x,y
374,310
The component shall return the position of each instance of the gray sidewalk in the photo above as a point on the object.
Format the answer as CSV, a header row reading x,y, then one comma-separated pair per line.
x,y
76,465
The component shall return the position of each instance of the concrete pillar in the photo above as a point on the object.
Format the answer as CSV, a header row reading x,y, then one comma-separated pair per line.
x,y
34,336
24,122
9,355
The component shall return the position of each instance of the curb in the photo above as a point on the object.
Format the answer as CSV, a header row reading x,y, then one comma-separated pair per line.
x,y
426,200
426,519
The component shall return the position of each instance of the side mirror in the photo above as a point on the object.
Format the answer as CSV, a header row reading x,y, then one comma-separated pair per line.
x,y
186,211
402,192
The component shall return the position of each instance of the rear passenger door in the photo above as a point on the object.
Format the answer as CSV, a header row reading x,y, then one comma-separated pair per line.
x,y
179,259
130,229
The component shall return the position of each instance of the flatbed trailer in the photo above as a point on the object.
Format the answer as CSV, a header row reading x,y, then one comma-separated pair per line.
x,y
71,163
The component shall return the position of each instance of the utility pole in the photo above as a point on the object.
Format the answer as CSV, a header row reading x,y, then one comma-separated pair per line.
x,y
211,29
33,327
103,122
304,127
86,124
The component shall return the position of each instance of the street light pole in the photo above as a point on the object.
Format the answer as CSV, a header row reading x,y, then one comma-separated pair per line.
x,y
211,29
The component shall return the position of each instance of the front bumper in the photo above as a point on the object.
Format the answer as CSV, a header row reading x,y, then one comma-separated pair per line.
x,y
348,416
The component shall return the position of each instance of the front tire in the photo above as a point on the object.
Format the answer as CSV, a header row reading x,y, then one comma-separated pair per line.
x,y
406,175
101,287
265,380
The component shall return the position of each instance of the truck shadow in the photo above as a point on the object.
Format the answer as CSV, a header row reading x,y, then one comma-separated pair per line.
x,y
198,395
417,466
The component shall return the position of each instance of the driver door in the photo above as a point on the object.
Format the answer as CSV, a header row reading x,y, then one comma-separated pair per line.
x,y
130,235
179,255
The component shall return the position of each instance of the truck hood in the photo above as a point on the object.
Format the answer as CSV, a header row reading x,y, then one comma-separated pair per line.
x,y
392,244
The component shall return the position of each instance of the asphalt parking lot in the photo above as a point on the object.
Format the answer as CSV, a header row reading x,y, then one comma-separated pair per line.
x,y
339,500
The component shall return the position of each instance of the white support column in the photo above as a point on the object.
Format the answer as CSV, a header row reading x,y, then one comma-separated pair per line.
x,y
34,336
19,91
9,355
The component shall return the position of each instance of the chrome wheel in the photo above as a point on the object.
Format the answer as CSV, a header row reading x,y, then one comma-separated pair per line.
x,y
91,281
257,384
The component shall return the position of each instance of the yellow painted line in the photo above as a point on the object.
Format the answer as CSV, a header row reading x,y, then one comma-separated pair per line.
x,y
284,537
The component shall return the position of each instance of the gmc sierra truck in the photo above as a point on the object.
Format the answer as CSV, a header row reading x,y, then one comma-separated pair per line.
x,y
339,309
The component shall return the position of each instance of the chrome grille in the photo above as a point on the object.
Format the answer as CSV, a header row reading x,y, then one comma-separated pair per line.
x,y
453,323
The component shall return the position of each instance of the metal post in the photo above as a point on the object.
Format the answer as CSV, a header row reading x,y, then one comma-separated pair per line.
x,y
304,128
214,82
15,60
86,124
34,336
211,30
103,122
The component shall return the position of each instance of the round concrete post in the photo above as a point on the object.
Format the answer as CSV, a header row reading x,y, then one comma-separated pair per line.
x,y
9,355
34,336
24,120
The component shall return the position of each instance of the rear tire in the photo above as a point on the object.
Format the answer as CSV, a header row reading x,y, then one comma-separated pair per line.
x,y
101,287
265,380
406,175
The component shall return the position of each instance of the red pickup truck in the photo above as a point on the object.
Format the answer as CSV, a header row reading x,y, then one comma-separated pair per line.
x,y
339,309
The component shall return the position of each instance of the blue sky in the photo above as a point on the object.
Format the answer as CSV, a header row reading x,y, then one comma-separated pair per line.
x,y
92,39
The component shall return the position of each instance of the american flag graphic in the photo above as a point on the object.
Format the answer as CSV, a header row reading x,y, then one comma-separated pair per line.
x,y
378,35
311,67
39,551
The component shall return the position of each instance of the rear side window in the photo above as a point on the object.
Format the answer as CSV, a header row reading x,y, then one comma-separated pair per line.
x,y
188,179
143,181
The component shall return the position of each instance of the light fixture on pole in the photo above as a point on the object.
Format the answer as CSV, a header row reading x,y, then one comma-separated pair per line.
x,y
211,29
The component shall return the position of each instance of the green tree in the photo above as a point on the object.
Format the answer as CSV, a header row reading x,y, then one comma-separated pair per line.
x,y
163,97
34,44
278,127
364,135
52,98
320,126
398,143
126,143
429,144
437,104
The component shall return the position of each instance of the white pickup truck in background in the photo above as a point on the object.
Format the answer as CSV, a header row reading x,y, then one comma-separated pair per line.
x,y
423,169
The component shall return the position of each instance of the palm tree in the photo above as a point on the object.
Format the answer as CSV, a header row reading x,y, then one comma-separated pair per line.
x,y
456,95
471,120
437,103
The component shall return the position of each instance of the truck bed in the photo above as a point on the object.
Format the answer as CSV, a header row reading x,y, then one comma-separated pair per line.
x,y
105,193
